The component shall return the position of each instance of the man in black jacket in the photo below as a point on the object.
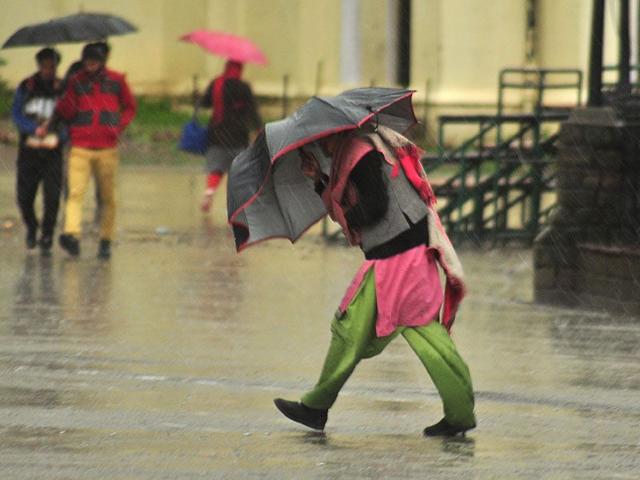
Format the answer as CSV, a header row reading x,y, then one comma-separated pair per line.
x,y
39,153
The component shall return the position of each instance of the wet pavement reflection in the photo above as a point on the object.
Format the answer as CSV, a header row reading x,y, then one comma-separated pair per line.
x,y
163,362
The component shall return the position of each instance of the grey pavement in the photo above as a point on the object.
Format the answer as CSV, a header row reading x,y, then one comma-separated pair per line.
x,y
163,362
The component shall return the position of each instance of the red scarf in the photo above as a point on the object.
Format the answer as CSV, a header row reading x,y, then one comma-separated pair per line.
x,y
231,70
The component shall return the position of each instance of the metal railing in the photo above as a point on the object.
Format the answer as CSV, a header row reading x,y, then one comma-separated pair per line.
x,y
506,165
482,181
540,81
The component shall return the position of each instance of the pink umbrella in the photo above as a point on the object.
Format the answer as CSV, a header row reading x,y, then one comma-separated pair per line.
x,y
226,45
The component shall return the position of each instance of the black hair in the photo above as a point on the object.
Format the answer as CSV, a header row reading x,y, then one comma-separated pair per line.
x,y
104,46
95,51
48,53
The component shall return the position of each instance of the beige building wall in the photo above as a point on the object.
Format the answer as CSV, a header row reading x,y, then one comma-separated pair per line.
x,y
375,43
458,46
563,33
152,59
296,35
299,37
464,44
563,37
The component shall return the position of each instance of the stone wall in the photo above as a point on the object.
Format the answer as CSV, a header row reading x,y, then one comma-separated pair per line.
x,y
597,187
610,278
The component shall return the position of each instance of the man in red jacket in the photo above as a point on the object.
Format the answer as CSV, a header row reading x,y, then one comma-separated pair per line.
x,y
98,106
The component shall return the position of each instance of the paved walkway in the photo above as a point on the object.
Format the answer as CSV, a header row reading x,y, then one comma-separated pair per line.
x,y
162,363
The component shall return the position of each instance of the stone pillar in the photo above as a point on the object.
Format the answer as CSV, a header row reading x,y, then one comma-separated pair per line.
x,y
596,163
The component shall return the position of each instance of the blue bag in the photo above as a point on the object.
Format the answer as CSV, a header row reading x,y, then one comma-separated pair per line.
x,y
193,138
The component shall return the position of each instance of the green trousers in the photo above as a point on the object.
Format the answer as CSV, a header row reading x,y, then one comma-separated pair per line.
x,y
354,338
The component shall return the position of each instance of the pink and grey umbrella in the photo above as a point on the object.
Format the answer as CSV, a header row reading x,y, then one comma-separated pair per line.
x,y
226,45
267,194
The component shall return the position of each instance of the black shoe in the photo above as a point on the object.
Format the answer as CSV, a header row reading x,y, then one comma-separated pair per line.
x,y
104,251
445,429
296,411
70,244
46,242
30,241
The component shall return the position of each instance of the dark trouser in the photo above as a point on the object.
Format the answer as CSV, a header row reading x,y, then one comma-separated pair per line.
x,y
35,166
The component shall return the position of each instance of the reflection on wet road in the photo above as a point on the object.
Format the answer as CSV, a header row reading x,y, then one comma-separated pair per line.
x,y
163,362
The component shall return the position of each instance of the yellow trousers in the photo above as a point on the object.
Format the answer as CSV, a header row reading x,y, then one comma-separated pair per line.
x,y
104,166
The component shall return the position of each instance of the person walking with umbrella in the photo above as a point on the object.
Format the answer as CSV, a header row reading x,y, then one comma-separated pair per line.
x,y
397,290
39,158
74,69
98,105
234,115
78,65
369,179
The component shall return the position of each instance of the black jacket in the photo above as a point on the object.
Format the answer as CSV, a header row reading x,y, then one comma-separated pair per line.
x,y
240,114
373,201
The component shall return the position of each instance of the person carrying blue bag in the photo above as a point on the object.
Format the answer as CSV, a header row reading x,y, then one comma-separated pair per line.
x,y
235,115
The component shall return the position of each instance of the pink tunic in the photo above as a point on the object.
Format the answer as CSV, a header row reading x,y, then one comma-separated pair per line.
x,y
408,290
411,276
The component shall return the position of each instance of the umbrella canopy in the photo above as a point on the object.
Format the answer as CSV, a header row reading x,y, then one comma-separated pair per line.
x,y
81,27
226,45
267,194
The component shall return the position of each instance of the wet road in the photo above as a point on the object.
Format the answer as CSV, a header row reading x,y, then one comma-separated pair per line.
x,y
162,363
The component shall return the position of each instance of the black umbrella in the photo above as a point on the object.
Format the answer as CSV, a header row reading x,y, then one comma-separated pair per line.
x,y
267,194
81,27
